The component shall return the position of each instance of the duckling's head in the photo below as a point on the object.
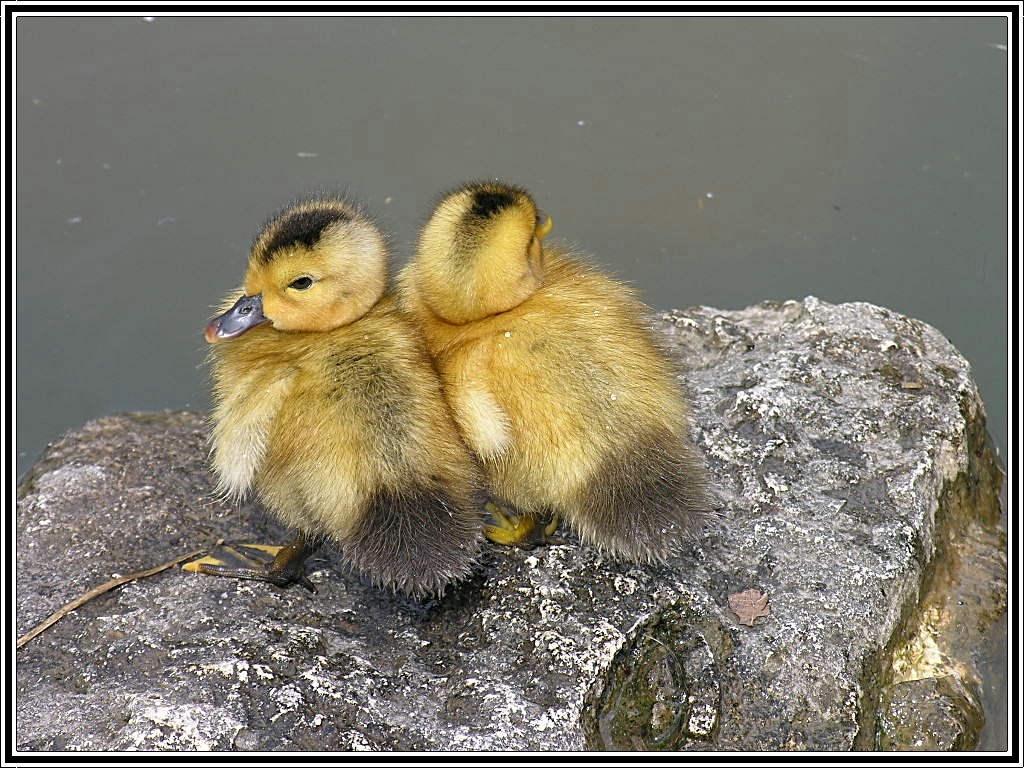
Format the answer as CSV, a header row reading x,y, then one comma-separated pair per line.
x,y
480,252
318,265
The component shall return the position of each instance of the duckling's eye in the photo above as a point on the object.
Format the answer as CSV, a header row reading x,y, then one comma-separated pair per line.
x,y
301,283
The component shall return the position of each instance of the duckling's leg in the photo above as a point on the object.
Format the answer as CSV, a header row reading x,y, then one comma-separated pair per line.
x,y
286,568
517,532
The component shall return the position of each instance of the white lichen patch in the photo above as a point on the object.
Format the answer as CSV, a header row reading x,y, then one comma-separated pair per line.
x,y
561,720
550,611
726,445
359,743
321,683
625,585
762,401
288,698
765,530
225,668
702,718
775,482
411,636
68,481
240,669
181,727
588,658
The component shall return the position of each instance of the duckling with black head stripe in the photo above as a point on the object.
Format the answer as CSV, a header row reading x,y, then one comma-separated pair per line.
x,y
556,379
329,409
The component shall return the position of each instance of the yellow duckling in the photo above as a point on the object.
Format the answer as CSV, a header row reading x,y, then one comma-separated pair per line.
x,y
328,407
555,378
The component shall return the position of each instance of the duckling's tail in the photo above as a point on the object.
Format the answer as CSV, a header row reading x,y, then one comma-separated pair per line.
x,y
416,541
651,500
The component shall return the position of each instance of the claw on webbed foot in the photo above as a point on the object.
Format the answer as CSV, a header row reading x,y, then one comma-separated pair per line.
x,y
522,531
281,566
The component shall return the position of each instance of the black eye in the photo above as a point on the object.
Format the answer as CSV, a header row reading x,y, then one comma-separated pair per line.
x,y
301,283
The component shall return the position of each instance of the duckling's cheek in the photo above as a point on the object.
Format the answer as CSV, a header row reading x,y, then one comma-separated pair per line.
x,y
246,313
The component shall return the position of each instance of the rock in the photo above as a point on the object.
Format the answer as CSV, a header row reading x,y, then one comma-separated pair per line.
x,y
859,491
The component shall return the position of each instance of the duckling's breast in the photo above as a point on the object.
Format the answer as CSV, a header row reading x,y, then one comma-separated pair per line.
x,y
251,382
364,415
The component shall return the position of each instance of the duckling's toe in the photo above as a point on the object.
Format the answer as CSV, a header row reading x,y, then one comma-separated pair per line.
x,y
234,556
281,566
522,531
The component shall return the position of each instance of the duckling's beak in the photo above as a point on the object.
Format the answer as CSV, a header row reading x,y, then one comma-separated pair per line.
x,y
245,314
544,224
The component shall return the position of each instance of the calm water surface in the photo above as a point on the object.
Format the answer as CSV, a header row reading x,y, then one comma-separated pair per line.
x,y
707,160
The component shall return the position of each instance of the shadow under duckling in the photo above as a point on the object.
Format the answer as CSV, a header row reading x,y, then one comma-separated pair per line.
x,y
555,378
328,407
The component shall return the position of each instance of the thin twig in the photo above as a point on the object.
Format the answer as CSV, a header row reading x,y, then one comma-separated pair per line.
x,y
78,602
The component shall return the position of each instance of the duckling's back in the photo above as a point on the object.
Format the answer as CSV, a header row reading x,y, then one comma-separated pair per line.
x,y
597,419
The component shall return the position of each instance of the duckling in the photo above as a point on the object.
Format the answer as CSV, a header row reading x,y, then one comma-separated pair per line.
x,y
556,380
328,407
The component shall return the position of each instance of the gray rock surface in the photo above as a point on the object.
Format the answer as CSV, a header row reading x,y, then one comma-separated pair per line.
x,y
859,490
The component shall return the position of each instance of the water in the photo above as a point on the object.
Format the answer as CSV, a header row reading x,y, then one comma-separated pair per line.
x,y
716,161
